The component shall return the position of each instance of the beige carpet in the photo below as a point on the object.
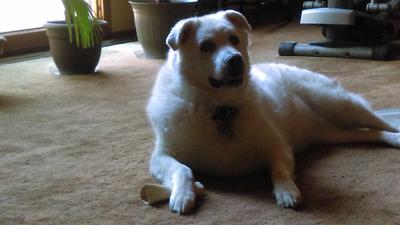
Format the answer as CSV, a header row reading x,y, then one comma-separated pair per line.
x,y
75,149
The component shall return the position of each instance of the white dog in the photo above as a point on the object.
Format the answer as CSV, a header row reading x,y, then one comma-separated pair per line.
x,y
212,113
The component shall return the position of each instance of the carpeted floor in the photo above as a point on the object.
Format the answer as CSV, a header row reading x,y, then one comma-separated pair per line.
x,y
75,149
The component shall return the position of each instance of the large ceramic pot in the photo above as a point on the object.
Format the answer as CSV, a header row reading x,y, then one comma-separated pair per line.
x,y
68,57
3,41
153,21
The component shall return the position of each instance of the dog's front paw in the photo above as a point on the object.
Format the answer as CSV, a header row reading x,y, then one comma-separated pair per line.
x,y
182,199
287,195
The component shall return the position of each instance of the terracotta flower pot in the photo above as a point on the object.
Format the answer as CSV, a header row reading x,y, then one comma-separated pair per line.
x,y
68,57
153,21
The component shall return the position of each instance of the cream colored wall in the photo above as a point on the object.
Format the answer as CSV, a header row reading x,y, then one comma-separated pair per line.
x,y
122,16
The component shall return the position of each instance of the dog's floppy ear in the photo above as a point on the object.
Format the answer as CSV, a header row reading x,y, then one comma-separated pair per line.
x,y
237,19
180,33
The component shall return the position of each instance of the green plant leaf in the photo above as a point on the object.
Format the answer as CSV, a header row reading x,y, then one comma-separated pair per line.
x,y
83,27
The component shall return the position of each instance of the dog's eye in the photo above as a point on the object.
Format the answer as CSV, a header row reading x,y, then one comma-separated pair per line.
x,y
207,46
234,40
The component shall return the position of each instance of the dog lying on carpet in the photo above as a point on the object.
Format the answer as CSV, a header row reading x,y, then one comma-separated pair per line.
x,y
213,113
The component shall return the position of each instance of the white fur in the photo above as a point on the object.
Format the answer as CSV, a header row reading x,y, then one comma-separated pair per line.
x,y
280,109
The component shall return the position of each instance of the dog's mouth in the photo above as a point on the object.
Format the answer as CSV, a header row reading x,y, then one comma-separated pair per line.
x,y
226,82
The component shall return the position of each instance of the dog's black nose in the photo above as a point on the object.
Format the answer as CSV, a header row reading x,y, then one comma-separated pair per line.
x,y
235,66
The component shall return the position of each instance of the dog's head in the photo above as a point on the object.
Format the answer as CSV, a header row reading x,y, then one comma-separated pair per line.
x,y
212,50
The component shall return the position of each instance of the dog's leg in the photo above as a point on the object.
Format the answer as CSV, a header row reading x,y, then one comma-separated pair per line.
x,y
279,158
337,136
285,190
177,177
329,100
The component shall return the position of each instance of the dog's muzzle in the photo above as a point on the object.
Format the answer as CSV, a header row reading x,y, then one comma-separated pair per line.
x,y
232,72
225,82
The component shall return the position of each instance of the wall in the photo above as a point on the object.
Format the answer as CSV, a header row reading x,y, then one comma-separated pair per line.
x,y
122,16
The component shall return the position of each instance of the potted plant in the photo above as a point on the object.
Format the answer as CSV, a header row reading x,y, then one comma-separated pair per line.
x,y
75,44
155,18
